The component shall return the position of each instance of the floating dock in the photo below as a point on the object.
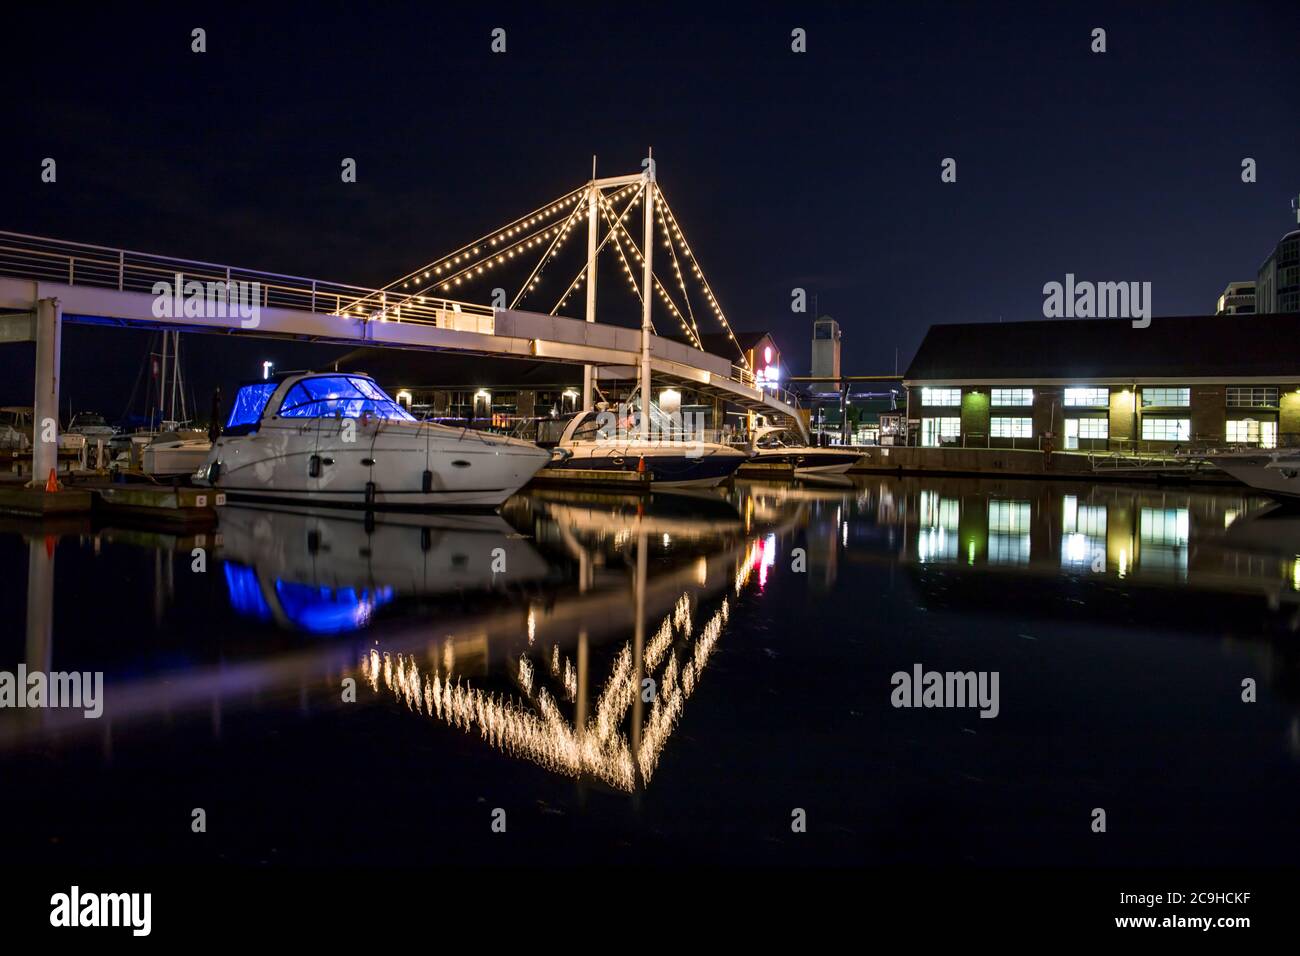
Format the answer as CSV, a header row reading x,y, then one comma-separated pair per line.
x,y
627,481
17,499
147,504
775,471
181,507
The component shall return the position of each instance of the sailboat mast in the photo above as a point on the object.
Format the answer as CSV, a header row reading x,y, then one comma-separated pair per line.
x,y
647,295
162,384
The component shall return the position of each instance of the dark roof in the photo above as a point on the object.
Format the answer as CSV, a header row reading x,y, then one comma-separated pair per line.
x,y
1200,346
417,368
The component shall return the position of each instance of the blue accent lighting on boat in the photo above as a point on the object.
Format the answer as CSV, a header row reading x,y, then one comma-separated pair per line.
x,y
245,592
329,610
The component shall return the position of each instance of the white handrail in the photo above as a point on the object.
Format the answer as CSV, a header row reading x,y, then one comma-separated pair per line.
x,y
87,264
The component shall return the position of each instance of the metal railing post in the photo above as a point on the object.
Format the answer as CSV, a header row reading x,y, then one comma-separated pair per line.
x,y
313,295
121,270
71,262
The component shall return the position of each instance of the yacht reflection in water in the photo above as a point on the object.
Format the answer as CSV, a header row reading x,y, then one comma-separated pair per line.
x,y
573,629
326,572
536,628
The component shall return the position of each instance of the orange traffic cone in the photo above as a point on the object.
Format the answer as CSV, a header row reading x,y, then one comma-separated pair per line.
x,y
640,465
52,483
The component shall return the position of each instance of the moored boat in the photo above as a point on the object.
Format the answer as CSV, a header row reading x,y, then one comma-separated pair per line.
x,y
777,445
178,452
339,439
1274,472
593,441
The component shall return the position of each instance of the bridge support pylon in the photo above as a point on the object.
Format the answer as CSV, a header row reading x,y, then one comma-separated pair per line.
x,y
45,406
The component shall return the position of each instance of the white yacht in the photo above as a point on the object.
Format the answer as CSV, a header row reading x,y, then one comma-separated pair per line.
x,y
176,452
337,438
596,441
778,445
1274,472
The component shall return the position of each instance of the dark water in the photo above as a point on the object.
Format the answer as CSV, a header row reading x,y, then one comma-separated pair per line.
x,y
1120,621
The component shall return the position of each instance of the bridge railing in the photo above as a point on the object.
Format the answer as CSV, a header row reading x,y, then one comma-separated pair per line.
x,y
743,375
127,270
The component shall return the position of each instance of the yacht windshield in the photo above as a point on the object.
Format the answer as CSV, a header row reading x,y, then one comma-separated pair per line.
x,y
248,405
341,396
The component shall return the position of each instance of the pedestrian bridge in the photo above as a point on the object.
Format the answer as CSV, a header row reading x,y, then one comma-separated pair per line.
x,y
101,285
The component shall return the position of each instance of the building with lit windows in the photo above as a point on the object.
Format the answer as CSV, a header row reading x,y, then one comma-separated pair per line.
x,y
1278,287
1102,384
1237,298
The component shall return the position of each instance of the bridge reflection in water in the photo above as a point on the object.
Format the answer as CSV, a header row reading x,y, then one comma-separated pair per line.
x,y
572,630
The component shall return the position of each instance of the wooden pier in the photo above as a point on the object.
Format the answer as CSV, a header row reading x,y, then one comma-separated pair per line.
x,y
774,471
144,504
17,499
630,482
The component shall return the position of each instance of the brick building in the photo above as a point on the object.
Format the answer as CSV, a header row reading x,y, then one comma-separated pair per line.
x,y
1104,384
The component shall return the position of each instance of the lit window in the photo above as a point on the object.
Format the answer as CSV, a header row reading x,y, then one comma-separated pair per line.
x,y
1083,519
1094,428
1009,516
941,397
1083,535
1013,396
1166,429
1012,427
1170,526
1087,397
937,536
940,431
939,512
1172,397
1248,431
1242,396
1009,532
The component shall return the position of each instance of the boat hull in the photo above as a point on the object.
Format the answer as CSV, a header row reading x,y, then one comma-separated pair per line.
x,y
810,461
179,459
375,464
668,468
1262,474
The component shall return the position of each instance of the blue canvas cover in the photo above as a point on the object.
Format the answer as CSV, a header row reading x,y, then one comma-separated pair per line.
x,y
340,396
247,408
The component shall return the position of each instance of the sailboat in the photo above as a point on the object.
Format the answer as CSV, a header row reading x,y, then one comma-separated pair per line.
x,y
168,448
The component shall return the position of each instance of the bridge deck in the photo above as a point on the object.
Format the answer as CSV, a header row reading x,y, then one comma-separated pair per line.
x,y
95,284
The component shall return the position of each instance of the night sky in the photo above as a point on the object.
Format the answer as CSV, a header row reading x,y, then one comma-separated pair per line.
x,y
818,170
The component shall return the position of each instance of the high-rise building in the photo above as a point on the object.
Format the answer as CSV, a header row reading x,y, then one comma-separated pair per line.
x,y
826,354
1278,286
1237,299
